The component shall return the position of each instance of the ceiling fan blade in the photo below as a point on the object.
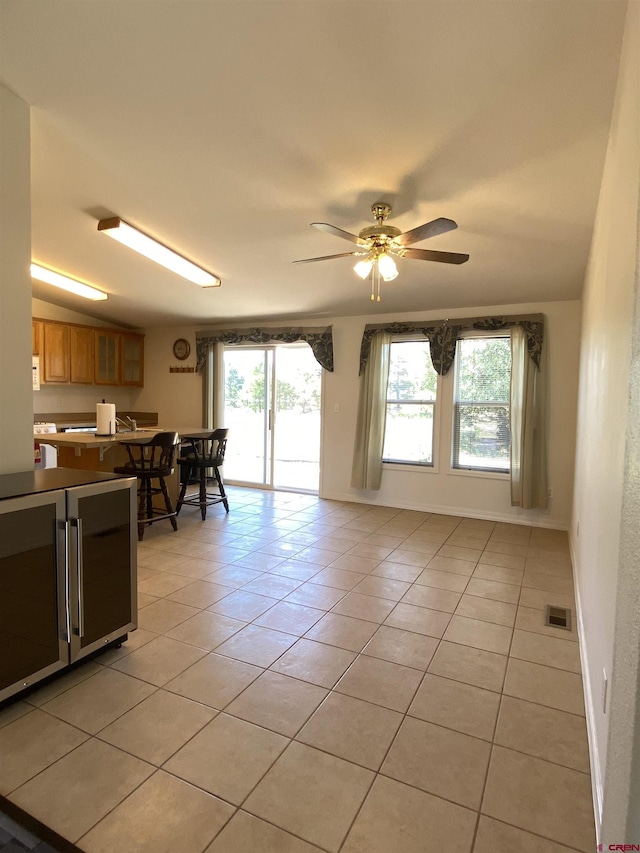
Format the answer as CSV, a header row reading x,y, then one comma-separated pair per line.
x,y
427,255
338,232
328,257
429,229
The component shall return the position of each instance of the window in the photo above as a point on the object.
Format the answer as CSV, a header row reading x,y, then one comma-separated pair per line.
x,y
481,438
411,399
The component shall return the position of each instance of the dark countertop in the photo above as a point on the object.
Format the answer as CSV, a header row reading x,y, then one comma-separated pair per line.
x,y
49,480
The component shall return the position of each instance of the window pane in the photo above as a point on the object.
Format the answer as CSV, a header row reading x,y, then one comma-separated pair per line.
x,y
484,370
483,437
411,394
411,374
409,433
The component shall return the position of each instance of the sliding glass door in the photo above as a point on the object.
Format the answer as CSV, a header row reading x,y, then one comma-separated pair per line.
x,y
272,409
296,433
247,407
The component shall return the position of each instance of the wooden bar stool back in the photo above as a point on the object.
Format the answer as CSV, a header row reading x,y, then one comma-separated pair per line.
x,y
148,461
203,454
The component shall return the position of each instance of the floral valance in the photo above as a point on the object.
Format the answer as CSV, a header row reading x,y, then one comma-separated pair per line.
x,y
443,335
319,339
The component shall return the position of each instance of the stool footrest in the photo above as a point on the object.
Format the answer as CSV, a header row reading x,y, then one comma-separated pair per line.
x,y
209,500
158,515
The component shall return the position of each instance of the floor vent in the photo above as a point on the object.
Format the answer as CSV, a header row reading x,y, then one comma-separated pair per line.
x,y
558,617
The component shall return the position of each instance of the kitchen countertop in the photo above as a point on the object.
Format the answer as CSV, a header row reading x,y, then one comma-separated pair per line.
x,y
89,440
92,439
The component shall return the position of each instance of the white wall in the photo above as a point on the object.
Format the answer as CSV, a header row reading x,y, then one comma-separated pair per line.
x,y
52,398
605,532
441,490
16,423
178,399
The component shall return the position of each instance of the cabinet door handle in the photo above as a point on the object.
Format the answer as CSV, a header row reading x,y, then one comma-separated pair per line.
x,y
64,528
77,523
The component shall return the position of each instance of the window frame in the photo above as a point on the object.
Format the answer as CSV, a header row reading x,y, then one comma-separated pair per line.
x,y
464,470
405,465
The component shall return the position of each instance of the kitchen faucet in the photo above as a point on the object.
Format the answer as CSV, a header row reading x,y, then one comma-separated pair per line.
x,y
128,423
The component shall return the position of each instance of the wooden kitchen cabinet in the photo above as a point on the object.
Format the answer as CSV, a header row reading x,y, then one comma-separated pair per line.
x,y
37,333
57,366
107,349
86,355
81,346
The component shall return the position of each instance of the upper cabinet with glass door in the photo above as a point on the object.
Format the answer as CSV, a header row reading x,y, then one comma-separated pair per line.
x,y
131,359
107,358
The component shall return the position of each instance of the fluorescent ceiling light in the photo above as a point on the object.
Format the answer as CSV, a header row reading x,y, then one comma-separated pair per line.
x,y
66,283
124,233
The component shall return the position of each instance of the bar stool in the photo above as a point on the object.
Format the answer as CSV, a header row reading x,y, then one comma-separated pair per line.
x,y
205,452
151,460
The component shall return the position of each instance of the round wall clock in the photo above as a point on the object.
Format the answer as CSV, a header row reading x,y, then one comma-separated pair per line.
x,y
181,349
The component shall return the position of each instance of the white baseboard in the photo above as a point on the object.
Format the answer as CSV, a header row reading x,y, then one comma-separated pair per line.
x,y
447,510
594,755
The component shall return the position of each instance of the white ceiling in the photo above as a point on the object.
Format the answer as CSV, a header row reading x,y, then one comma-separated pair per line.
x,y
224,127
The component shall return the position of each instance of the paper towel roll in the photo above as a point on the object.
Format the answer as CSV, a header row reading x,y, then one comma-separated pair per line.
x,y
106,418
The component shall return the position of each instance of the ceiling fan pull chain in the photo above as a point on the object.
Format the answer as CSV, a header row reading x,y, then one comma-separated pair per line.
x,y
375,282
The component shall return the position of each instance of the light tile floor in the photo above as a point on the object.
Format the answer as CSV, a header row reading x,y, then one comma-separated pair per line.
x,y
314,675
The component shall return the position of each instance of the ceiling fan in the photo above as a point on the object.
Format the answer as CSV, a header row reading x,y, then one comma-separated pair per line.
x,y
379,242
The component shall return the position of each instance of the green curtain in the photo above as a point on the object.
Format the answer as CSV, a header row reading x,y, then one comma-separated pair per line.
x,y
372,404
528,426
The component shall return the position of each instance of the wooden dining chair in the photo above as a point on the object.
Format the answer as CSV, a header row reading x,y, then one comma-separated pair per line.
x,y
148,461
203,454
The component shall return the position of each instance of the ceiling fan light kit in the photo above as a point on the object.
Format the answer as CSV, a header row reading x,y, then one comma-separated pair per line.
x,y
363,268
380,266
380,241
129,236
387,267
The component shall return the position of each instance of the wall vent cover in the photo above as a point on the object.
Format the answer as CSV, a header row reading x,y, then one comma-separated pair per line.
x,y
558,617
